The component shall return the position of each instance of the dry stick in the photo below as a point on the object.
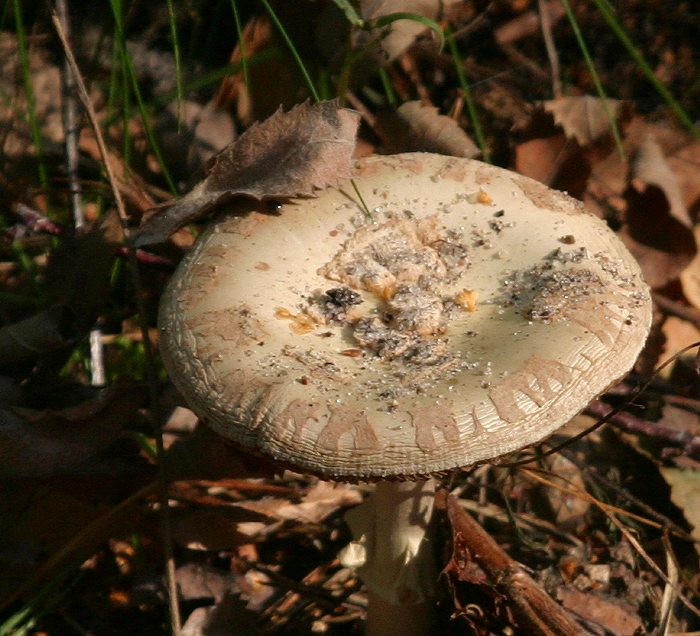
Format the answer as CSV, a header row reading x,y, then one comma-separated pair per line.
x,y
669,596
535,611
360,107
688,443
175,622
679,310
70,129
409,66
546,24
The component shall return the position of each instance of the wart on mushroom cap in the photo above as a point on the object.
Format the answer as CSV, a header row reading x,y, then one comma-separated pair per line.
x,y
482,311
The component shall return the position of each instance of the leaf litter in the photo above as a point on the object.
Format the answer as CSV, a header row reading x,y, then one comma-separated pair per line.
x,y
257,549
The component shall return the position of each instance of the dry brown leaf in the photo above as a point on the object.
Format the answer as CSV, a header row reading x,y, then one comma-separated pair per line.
x,y
219,528
658,228
40,443
690,276
651,169
685,491
616,617
132,187
610,176
679,334
402,33
569,510
555,161
417,128
190,134
585,118
288,155
257,97
321,500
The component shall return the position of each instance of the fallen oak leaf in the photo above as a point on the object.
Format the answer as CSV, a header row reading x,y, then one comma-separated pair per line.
x,y
288,155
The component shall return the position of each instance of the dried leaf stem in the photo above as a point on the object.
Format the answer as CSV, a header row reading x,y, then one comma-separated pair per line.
x,y
166,529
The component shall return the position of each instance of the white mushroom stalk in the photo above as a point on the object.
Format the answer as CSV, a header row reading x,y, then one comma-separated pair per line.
x,y
471,315
394,556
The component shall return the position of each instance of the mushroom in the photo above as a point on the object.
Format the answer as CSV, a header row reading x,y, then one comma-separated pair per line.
x,y
468,312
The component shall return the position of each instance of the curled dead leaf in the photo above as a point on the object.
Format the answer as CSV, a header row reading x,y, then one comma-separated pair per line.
x,y
290,154
652,169
402,33
690,276
320,501
658,230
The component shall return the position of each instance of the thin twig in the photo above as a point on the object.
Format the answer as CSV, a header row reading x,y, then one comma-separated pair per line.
x,y
679,310
70,132
546,25
166,529
689,444
591,473
70,127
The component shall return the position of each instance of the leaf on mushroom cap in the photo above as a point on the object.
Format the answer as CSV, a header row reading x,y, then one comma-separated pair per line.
x,y
475,313
288,155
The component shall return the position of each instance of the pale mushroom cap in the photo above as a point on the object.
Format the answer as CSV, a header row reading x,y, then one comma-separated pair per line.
x,y
549,313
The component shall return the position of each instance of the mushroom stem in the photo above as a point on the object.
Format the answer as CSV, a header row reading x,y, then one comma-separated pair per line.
x,y
394,557
384,618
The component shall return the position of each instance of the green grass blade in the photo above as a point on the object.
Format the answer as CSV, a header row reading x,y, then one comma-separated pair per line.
x,y
241,42
24,620
325,85
29,93
351,14
119,97
178,66
638,58
212,77
468,97
363,204
292,49
596,78
388,88
145,116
